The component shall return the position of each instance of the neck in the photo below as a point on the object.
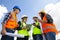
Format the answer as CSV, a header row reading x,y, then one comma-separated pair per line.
x,y
23,21
14,12
35,20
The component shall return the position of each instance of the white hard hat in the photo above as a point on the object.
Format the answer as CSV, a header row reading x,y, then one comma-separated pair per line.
x,y
24,16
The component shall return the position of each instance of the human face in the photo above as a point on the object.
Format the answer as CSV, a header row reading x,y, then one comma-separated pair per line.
x,y
35,19
25,19
17,11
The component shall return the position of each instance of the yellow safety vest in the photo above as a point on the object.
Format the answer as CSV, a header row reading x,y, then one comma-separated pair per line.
x,y
23,31
36,30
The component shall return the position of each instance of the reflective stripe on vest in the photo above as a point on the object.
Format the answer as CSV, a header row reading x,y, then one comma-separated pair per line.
x,y
48,27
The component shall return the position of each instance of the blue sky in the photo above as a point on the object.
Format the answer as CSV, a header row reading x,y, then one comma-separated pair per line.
x,y
28,7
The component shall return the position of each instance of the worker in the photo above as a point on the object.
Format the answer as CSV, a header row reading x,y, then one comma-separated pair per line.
x,y
49,28
22,29
37,33
10,23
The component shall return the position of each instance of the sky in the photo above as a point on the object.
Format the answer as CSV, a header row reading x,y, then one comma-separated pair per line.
x,y
31,8
28,7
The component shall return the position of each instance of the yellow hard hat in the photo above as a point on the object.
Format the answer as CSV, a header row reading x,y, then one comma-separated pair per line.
x,y
42,11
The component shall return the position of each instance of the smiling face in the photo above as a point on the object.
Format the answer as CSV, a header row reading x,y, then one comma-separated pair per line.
x,y
16,11
35,18
24,19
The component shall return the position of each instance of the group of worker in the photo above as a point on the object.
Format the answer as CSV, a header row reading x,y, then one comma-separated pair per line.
x,y
45,24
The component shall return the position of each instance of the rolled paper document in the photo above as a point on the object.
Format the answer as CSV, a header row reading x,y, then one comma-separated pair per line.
x,y
15,35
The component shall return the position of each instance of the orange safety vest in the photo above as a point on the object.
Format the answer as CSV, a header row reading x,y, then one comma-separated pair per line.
x,y
12,22
47,27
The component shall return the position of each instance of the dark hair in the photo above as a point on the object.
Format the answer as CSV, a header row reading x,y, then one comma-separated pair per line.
x,y
42,14
49,18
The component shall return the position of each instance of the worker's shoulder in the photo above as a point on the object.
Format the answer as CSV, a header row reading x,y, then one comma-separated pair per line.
x,y
19,22
12,13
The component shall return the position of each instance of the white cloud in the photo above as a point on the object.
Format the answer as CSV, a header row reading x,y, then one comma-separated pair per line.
x,y
3,10
49,7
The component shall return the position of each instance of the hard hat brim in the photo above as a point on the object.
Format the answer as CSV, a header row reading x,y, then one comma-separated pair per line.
x,y
35,17
24,17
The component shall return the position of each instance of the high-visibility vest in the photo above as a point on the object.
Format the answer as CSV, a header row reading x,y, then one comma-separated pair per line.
x,y
36,30
11,22
44,18
48,27
23,31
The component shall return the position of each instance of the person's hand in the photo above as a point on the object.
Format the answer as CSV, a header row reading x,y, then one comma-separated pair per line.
x,y
3,32
3,29
24,27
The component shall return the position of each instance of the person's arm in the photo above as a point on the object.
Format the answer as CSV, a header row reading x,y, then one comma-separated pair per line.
x,y
19,28
42,21
3,24
3,29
